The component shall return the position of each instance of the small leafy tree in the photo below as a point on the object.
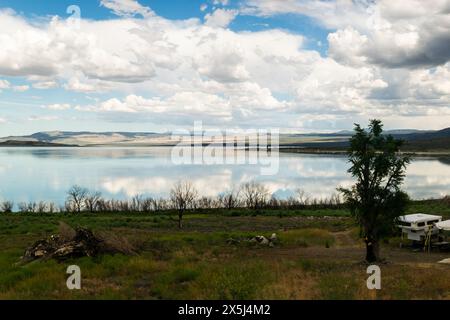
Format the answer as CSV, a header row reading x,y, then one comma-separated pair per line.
x,y
376,199
183,196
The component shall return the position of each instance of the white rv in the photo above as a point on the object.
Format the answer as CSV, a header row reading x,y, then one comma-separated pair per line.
x,y
419,226
443,225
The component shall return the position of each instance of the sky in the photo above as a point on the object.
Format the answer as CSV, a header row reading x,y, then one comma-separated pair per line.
x,y
158,65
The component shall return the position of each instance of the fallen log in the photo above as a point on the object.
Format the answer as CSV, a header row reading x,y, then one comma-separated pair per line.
x,y
82,242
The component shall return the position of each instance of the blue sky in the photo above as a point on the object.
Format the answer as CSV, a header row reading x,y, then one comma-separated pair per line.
x,y
154,65
179,10
173,9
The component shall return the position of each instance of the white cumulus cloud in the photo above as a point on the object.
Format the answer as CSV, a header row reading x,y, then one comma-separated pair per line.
x,y
126,7
57,106
220,18
383,60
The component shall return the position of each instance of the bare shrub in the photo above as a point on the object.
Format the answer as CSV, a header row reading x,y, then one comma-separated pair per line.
x,y
136,203
103,205
301,197
255,195
92,200
291,202
335,200
6,206
161,204
229,199
41,207
67,207
27,207
183,196
51,207
122,206
205,203
147,205
275,203
22,207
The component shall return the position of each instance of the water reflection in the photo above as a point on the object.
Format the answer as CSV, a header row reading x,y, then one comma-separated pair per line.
x,y
34,174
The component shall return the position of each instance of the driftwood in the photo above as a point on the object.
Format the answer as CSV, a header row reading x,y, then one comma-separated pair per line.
x,y
80,243
257,239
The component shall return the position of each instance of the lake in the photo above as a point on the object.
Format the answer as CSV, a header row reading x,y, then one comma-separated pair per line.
x,y
35,174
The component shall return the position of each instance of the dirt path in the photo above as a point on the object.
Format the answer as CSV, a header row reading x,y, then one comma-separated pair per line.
x,y
344,239
347,250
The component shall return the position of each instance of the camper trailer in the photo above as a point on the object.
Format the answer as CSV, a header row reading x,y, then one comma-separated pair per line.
x,y
443,225
419,226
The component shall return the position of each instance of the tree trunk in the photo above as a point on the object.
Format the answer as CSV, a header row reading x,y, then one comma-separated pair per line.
x,y
180,220
372,250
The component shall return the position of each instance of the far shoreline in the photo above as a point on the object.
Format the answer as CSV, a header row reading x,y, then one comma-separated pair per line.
x,y
282,148
445,153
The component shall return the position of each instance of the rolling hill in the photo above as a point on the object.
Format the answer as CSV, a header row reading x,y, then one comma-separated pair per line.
x,y
22,143
86,138
415,140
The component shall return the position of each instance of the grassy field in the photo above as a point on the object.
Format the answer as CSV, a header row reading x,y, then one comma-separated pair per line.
x,y
318,256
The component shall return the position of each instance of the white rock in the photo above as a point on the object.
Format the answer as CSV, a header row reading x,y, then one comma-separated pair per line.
x,y
262,240
445,261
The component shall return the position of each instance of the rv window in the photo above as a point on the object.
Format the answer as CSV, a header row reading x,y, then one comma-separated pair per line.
x,y
421,224
432,222
406,224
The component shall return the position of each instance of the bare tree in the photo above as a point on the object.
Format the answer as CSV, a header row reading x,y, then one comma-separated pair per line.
x,y
274,202
301,197
67,207
41,207
92,200
205,203
6,206
30,207
137,203
255,195
160,204
182,197
23,207
51,207
76,197
147,205
229,199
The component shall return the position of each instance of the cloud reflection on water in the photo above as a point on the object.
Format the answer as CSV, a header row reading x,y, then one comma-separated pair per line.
x,y
34,174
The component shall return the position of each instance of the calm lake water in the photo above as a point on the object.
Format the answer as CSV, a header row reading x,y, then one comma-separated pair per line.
x,y
35,174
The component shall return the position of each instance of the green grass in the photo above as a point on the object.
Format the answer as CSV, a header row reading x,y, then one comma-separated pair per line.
x,y
308,262
439,207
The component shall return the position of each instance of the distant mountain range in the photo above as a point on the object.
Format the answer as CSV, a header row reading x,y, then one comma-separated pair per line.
x,y
24,143
415,141
393,132
85,138
419,140
428,141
